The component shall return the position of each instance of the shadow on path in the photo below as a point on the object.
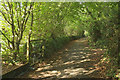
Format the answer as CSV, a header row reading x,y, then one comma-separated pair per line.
x,y
75,61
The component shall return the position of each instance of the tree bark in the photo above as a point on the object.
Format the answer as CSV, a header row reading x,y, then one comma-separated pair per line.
x,y
21,23
28,48
17,49
28,41
119,34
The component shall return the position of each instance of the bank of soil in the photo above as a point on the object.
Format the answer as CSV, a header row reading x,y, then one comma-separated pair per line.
x,y
8,68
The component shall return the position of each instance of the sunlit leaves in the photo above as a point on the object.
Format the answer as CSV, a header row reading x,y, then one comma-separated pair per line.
x,y
53,20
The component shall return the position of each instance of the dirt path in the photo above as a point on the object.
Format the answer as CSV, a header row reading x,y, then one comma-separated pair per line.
x,y
77,60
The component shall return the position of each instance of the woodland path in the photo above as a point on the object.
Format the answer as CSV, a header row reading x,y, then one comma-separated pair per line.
x,y
76,60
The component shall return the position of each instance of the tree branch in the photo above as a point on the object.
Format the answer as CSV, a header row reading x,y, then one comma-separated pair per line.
x,y
16,33
6,18
27,16
5,36
23,26
16,9
24,16
5,7
90,13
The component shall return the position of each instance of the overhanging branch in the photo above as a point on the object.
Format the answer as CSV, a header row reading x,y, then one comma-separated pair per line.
x,y
5,36
5,18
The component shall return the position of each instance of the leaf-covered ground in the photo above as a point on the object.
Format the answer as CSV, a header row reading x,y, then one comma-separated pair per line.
x,y
76,60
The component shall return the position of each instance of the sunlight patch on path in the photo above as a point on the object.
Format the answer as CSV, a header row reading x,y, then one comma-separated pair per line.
x,y
78,60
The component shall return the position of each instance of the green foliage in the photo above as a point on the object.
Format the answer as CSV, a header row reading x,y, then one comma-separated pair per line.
x,y
52,45
54,25
7,57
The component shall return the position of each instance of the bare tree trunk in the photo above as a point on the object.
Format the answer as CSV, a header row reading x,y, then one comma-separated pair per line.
x,y
0,47
28,48
17,50
21,23
28,41
118,34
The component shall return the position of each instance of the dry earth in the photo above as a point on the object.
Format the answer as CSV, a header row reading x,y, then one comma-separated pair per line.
x,y
76,60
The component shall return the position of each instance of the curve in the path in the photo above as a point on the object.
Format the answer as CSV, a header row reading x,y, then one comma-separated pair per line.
x,y
75,61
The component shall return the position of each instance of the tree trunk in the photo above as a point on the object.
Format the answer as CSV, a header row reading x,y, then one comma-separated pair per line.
x,y
17,50
28,48
0,47
14,50
119,35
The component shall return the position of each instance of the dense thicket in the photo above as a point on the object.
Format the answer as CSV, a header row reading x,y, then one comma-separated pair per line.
x,y
48,26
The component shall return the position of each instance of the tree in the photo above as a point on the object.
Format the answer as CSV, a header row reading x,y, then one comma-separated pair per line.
x,y
16,15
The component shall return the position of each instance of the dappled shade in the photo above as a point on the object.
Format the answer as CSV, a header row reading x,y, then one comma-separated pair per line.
x,y
75,61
